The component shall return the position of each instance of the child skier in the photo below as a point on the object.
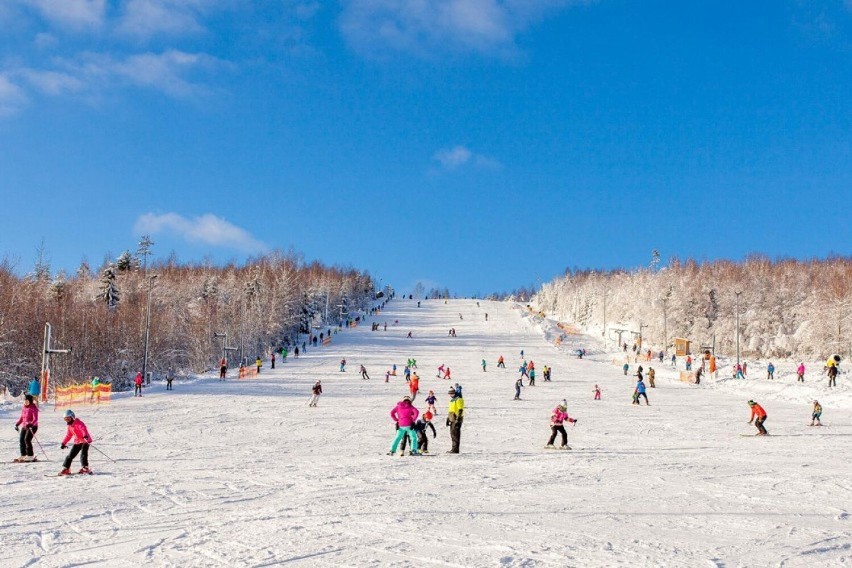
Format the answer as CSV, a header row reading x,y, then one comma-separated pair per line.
x,y
316,391
816,414
404,414
758,415
440,371
447,374
557,418
500,363
430,402
419,428
414,386
640,392
519,384
597,392
342,365
80,433
29,421
483,366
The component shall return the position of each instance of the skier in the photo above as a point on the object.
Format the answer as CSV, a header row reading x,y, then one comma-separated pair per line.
x,y
626,367
138,382
519,384
316,391
831,368
698,375
80,433
447,374
409,335
440,370
523,369
738,371
640,391
745,369
419,428
816,414
661,357
800,372
404,414
387,376
414,386
364,375
170,376
500,363
96,382
29,421
393,370
770,371
486,317
458,389
597,392
532,377
407,373
557,418
522,353
430,403
342,365
259,364
483,366
689,362
758,415
674,360
455,417
273,359
651,375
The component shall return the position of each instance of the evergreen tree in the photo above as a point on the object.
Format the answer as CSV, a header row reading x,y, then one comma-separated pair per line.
x,y
109,293
124,262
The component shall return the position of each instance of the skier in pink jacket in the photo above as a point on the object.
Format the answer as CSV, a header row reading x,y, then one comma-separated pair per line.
x,y
80,433
559,416
404,414
29,421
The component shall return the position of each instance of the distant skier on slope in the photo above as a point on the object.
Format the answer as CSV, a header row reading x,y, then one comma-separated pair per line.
x,y
414,386
483,366
316,391
815,415
831,369
770,371
76,429
557,418
758,416
597,392
519,384
455,417
138,384
800,372
640,392
500,363
364,375
342,365
27,425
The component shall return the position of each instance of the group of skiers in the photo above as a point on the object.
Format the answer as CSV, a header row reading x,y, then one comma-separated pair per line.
x,y
410,425
27,426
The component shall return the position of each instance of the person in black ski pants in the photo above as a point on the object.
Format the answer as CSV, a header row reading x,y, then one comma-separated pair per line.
x,y
420,427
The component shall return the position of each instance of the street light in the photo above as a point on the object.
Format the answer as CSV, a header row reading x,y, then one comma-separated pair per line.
x,y
147,329
738,327
665,325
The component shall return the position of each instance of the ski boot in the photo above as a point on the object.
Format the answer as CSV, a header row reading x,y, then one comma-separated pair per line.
x,y
19,459
65,471
549,447
85,470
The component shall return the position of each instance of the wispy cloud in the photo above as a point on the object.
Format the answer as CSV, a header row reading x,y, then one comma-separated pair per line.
x,y
425,27
12,97
76,14
207,229
459,156
147,18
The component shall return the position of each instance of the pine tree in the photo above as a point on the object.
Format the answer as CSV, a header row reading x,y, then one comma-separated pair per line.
x,y
124,262
109,293
144,251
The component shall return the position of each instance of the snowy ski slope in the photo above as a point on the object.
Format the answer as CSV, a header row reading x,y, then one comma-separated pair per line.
x,y
246,474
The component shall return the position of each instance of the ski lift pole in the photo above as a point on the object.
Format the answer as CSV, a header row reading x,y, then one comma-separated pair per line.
x,y
45,360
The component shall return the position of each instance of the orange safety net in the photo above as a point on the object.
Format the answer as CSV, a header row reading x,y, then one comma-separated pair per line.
x,y
248,373
83,394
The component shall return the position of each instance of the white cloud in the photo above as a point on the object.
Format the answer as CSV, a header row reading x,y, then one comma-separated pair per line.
x,y
12,97
71,13
53,82
458,156
426,26
164,72
145,18
207,229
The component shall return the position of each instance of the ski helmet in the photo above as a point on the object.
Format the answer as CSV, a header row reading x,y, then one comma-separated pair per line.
x,y
408,398
69,414
427,416
751,403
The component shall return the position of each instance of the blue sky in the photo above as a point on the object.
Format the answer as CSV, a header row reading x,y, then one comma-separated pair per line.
x,y
474,144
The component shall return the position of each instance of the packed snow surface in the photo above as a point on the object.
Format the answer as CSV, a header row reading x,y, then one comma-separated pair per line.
x,y
245,473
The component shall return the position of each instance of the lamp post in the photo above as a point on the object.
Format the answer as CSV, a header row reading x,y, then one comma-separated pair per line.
x,y
665,325
738,327
147,329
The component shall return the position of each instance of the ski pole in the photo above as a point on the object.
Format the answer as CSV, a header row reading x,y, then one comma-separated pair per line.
x,y
103,454
42,448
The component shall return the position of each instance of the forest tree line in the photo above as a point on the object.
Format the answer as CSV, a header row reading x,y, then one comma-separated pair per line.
x,y
787,308
101,314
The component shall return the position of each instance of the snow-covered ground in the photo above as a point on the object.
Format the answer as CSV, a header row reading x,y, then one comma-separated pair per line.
x,y
246,474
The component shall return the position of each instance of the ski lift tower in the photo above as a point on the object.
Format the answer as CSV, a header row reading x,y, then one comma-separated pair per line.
x,y
45,360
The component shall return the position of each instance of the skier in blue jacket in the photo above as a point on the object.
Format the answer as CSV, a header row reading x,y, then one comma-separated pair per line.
x,y
640,392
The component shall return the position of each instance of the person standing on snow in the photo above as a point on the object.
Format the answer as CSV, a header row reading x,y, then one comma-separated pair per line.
x,y
316,391
640,392
273,359
342,365
447,374
597,392
500,363
455,417
138,383
430,403
758,415
816,414
76,429
625,368
532,377
29,421
34,388
831,368
223,369
404,414
364,375
800,372
651,375
483,366
259,363
414,386
559,416
519,384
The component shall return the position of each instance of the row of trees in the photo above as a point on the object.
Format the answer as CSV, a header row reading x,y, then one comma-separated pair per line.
x,y
101,315
788,308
